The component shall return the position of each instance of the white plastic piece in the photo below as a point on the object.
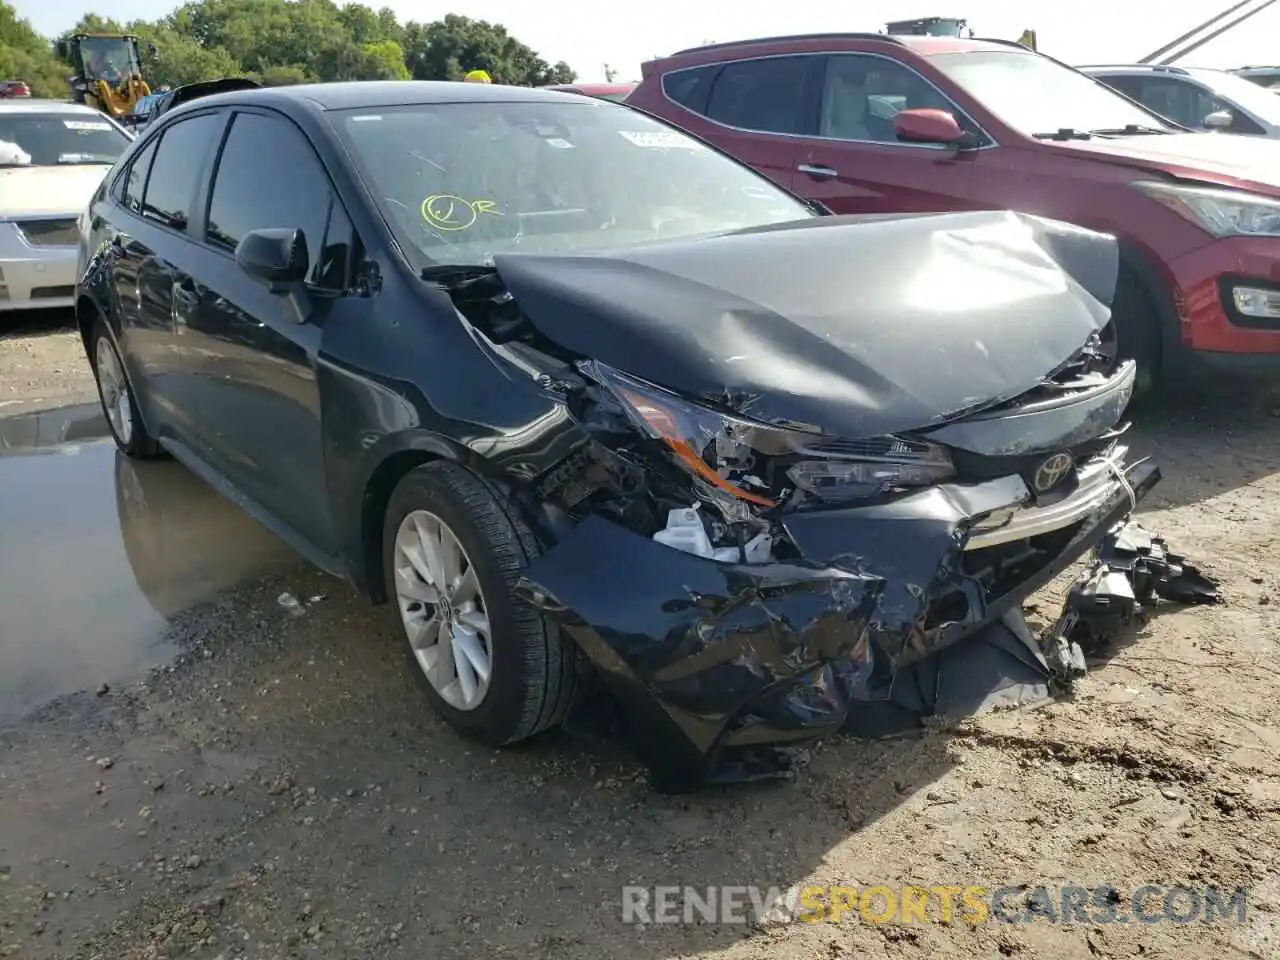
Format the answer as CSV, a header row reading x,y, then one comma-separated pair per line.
x,y
684,532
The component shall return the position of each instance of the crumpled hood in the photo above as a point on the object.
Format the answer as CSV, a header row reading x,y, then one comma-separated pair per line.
x,y
1204,156
858,325
41,191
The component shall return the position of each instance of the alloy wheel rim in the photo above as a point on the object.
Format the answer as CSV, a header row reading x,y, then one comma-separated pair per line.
x,y
114,391
443,610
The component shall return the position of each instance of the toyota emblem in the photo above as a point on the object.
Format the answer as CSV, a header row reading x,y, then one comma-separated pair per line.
x,y
1051,472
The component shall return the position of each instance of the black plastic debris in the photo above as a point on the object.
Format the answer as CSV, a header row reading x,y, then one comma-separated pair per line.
x,y
1131,570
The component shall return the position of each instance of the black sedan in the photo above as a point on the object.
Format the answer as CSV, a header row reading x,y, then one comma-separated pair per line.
x,y
579,396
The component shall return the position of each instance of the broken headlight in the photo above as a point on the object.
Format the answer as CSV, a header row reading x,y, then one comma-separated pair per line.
x,y
758,463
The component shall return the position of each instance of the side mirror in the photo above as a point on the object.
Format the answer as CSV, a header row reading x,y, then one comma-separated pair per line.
x,y
153,51
1219,120
63,49
278,258
928,126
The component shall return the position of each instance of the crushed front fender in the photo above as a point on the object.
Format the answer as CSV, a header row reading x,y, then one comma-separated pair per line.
x,y
721,668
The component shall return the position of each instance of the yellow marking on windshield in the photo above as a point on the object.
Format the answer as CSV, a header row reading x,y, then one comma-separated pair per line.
x,y
445,211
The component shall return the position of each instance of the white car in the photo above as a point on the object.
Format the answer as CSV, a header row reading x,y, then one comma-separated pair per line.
x,y
53,156
1196,97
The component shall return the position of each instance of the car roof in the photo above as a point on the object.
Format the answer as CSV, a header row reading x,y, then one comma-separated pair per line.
x,y
46,106
1204,74
592,87
921,45
379,93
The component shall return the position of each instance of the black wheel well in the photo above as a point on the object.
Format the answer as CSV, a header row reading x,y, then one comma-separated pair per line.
x,y
373,508
1149,282
86,313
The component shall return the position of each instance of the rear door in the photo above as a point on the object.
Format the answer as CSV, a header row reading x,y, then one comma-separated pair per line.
x,y
854,162
756,108
253,364
150,255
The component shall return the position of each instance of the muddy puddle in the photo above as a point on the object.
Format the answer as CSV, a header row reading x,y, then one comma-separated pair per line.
x,y
98,554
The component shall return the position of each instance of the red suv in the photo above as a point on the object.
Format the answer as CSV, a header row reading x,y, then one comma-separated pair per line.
x,y
867,123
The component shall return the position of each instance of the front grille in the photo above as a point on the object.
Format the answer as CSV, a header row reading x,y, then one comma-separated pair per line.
x,y
50,233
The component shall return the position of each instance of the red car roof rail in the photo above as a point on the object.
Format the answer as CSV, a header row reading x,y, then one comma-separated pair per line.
x,y
785,37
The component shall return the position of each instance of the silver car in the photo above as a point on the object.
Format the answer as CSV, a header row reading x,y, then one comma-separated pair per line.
x,y
53,156
1196,97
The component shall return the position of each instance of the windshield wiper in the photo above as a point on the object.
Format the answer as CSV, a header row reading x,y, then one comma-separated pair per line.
x,y
1129,130
1064,133
456,274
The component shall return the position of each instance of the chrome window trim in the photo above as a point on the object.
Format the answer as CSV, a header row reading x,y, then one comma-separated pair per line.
x,y
990,141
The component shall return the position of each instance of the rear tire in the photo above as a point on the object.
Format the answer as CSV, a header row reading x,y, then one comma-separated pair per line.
x,y
119,404
532,669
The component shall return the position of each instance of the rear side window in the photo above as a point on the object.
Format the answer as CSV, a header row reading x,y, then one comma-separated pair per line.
x,y
290,191
690,88
175,170
759,94
136,179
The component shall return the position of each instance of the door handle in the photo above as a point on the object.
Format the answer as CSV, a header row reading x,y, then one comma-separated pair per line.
x,y
817,171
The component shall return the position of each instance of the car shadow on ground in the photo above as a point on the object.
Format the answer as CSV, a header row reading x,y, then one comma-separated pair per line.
x,y
36,323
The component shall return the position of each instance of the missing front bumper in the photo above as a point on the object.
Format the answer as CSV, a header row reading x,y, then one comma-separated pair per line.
x,y
724,669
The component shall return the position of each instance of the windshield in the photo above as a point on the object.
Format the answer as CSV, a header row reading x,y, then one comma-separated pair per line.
x,y
1035,95
461,182
49,139
107,57
1259,101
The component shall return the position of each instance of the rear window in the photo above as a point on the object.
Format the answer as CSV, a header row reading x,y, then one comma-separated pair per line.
x,y
50,139
759,94
690,88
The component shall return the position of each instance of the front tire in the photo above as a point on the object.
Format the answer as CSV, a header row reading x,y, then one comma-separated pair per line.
x,y
118,402
1134,331
453,549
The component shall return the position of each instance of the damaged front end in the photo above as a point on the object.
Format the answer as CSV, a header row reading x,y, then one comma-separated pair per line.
x,y
746,581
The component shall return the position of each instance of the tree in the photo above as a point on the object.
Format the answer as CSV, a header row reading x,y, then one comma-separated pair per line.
x,y
25,55
292,41
448,48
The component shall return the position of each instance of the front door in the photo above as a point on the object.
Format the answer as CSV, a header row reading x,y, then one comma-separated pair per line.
x,y
253,365
855,163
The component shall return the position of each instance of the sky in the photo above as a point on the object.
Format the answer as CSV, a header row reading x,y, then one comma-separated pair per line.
x,y
591,33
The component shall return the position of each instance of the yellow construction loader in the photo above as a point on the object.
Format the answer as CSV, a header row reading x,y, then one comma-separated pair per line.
x,y
945,27
108,71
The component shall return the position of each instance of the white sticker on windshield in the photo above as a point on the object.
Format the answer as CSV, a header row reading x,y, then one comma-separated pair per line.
x,y
662,139
365,119
86,124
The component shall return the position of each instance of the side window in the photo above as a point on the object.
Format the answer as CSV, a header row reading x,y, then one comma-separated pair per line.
x,y
1181,102
861,95
759,94
291,190
1131,87
175,169
690,88
135,181
331,269
1241,123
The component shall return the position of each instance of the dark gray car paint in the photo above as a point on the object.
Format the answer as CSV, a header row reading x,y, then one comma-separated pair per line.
x,y
858,329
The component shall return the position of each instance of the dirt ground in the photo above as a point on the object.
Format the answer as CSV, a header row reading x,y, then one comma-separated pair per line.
x,y
281,789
